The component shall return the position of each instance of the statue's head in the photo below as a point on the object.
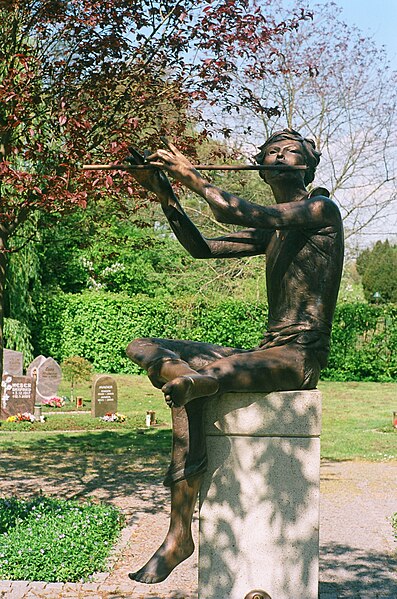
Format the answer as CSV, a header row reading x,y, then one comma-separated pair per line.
x,y
312,155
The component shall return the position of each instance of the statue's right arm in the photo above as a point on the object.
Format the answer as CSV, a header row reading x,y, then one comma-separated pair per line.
x,y
250,242
244,243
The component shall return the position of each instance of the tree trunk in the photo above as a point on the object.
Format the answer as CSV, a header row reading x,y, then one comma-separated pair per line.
x,y
3,270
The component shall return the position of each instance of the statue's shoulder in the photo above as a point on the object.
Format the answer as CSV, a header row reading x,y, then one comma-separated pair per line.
x,y
331,208
319,191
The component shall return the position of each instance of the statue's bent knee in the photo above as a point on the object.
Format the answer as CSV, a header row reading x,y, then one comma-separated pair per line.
x,y
136,350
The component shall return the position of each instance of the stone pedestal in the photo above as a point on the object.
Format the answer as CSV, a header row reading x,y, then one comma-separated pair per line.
x,y
259,503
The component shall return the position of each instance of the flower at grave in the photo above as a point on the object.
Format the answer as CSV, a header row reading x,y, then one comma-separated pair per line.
x,y
12,418
25,417
54,402
109,417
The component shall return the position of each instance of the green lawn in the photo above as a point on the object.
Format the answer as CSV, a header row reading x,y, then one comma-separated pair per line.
x,y
357,423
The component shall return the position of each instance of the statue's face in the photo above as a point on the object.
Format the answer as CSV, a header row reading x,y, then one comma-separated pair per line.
x,y
285,152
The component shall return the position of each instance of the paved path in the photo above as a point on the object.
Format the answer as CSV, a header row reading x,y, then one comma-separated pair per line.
x,y
358,550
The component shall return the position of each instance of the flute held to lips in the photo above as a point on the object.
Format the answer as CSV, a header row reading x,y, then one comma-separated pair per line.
x,y
199,167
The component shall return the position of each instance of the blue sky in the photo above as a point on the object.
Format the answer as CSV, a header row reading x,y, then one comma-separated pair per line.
x,y
375,18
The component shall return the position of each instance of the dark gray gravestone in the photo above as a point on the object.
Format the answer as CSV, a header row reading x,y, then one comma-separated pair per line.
x,y
48,376
17,395
104,396
13,362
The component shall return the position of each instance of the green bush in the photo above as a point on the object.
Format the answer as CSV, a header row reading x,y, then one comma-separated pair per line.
x,y
98,326
55,540
364,344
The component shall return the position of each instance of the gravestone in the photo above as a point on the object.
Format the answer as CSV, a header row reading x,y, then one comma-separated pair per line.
x,y
13,362
48,376
17,395
33,366
104,396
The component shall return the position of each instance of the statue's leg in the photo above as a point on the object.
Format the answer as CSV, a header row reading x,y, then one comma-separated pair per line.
x,y
178,361
178,544
169,360
184,476
280,368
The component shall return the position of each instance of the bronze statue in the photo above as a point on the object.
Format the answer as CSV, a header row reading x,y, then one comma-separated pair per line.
x,y
302,238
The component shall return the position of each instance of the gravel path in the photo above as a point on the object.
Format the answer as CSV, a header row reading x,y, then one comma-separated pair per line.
x,y
358,550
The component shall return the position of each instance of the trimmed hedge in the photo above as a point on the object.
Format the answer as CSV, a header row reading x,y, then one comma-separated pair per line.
x,y
364,343
99,326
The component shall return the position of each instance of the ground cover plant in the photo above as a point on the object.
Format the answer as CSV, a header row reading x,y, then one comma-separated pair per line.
x,y
55,540
357,424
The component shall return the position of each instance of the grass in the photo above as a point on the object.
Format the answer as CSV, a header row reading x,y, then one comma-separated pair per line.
x,y
357,421
55,540
357,424
135,396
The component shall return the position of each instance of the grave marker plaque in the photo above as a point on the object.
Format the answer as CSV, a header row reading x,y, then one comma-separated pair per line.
x,y
104,396
17,395
13,362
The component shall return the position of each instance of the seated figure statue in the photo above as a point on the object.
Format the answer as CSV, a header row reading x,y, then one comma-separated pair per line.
x,y
301,236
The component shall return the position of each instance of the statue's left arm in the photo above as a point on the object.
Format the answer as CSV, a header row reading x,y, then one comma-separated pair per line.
x,y
314,212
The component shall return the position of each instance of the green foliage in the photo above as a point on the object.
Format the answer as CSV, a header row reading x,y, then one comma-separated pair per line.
x,y
364,343
378,269
76,369
61,247
351,289
49,324
104,251
99,326
17,336
55,540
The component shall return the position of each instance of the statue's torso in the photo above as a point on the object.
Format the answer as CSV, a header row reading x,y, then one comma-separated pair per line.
x,y
303,272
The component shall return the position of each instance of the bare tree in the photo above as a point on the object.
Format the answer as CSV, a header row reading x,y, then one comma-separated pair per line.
x,y
333,84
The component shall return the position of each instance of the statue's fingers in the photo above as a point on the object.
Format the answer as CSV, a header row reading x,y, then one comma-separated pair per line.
x,y
170,146
160,155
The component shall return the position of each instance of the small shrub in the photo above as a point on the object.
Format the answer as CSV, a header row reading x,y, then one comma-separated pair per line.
x,y
55,540
76,369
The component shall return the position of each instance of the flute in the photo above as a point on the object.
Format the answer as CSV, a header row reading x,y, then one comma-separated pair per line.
x,y
199,167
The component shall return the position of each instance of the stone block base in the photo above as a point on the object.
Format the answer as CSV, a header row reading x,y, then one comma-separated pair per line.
x,y
259,503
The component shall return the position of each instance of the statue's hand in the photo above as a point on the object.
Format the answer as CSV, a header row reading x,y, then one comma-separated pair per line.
x,y
152,180
176,164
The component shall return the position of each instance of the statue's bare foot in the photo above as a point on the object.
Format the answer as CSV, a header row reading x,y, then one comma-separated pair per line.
x,y
183,389
167,557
